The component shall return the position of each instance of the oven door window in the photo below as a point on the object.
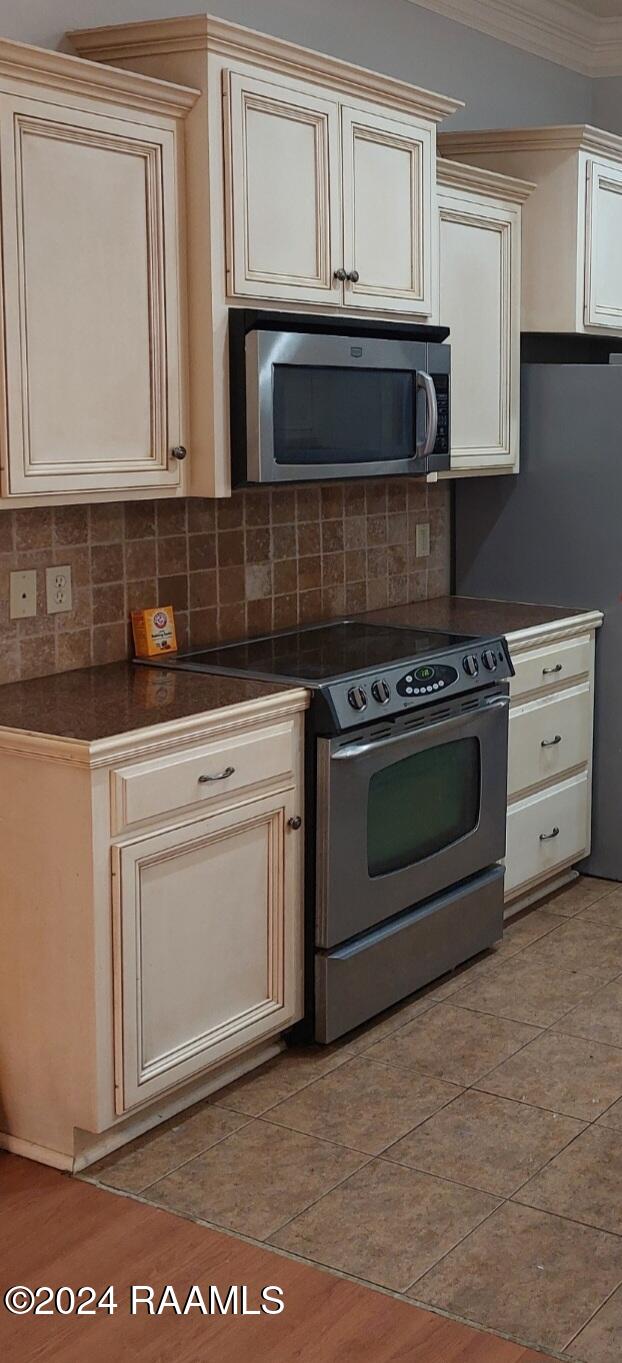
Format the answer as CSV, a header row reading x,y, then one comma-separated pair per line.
x,y
333,415
422,804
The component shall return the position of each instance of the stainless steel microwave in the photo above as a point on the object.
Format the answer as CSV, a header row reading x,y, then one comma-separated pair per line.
x,y
311,400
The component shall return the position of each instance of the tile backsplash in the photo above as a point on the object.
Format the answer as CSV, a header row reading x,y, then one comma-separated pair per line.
x,y
263,559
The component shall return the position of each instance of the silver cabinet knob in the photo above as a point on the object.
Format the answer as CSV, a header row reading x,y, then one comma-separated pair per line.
x,y
341,275
179,452
295,823
353,276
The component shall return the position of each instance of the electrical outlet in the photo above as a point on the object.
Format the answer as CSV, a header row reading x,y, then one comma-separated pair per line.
x,y
58,589
422,540
23,594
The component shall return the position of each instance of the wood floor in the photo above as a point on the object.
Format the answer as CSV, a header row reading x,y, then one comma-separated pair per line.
x,y
57,1231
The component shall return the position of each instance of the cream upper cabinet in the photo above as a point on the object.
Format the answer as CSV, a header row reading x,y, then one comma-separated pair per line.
x,y
92,289
603,282
208,925
387,212
326,203
310,187
572,271
479,224
285,223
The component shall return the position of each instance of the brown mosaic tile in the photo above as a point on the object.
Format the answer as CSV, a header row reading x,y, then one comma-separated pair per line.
x,y
315,552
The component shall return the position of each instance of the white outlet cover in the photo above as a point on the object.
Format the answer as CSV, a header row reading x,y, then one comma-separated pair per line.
x,y
58,589
23,594
422,540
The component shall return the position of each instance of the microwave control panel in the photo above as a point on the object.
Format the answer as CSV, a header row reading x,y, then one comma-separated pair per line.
x,y
441,384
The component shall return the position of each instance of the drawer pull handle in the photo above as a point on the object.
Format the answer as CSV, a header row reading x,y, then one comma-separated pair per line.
x,y
222,776
551,742
546,837
546,671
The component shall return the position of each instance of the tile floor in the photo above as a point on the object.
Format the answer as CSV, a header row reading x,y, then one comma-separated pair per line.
x,y
464,1150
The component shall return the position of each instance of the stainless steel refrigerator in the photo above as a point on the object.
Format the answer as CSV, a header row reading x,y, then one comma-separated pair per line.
x,y
553,535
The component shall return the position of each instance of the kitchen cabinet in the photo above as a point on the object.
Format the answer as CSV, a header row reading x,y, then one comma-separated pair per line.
x,y
479,261
91,217
572,275
285,223
164,951
311,186
550,756
327,203
207,916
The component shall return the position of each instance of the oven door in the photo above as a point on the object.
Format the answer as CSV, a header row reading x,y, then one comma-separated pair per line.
x,y
329,406
404,814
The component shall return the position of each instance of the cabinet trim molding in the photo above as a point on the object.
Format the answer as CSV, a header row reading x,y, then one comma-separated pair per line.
x,y
201,31
457,175
20,62
557,137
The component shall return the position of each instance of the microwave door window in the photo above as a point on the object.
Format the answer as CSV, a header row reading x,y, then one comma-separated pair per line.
x,y
332,415
422,804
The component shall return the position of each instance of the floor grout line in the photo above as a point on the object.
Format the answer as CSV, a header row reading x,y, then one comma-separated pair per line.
x,y
502,1200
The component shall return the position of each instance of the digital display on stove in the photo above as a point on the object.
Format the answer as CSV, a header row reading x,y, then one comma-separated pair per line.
x,y
428,680
325,652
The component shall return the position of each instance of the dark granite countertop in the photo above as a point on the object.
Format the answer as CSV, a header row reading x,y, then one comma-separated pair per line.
x,y
102,702
472,615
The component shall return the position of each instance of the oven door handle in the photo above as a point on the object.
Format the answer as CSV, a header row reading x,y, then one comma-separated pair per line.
x,y
456,721
425,383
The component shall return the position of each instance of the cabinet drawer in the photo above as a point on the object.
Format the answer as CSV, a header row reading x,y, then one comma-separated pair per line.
x,y
201,776
530,857
545,668
548,737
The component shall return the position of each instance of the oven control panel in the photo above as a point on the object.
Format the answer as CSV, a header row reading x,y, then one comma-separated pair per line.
x,y
403,686
426,680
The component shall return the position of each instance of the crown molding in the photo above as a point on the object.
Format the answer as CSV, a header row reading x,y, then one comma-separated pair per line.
x,y
557,30
204,32
61,71
457,175
565,137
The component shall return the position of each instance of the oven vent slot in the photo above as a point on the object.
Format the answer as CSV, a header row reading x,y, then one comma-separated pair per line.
x,y
423,717
470,705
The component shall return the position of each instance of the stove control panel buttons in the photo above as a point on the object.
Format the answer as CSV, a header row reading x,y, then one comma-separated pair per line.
x,y
357,698
470,665
489,659
381,692
426,680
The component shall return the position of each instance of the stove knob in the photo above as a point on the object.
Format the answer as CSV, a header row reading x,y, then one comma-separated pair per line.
x,y
357,698
381,692
470,665
489,659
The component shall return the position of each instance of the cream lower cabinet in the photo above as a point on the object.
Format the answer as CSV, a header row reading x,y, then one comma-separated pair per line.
x,y
161,954
550,756
572,275
206,920
479,263
91,178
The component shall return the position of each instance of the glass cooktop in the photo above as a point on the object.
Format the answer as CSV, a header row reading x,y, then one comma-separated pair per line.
x,y
325,652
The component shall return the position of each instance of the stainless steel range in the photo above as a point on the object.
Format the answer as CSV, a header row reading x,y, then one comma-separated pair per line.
x,y
406,803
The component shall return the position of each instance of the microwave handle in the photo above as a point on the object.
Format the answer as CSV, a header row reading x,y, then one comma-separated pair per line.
x,y
425,383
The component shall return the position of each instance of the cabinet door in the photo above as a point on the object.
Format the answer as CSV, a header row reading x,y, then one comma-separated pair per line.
x,y
603,257
387,206
91,300
284,229
479,261
208,943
